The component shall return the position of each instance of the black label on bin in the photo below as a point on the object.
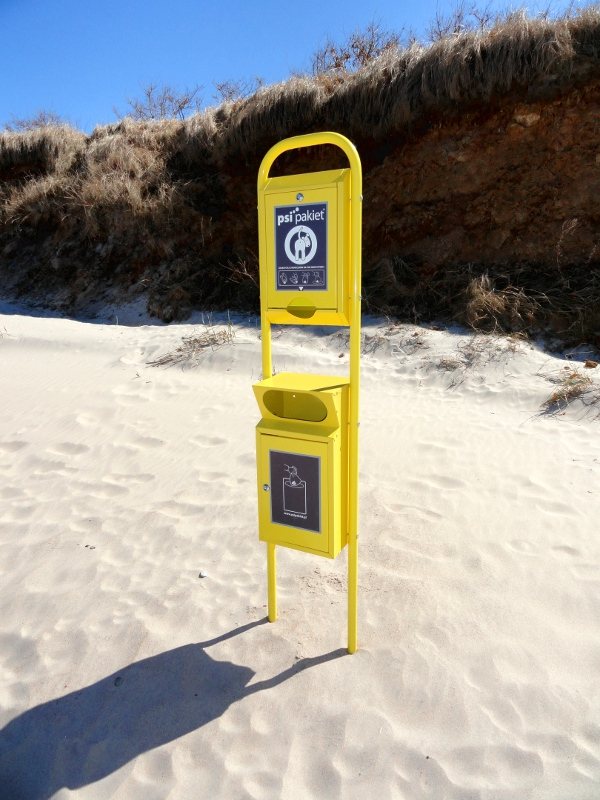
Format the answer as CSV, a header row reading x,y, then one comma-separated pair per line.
x,y
301,247
295,490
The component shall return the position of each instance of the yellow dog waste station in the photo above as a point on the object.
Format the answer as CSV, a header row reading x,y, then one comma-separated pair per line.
x,y
307,439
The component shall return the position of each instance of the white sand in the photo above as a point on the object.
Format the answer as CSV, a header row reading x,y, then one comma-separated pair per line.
x,y
125,675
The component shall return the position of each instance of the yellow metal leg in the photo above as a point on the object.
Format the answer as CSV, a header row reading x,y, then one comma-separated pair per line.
x,y
352,596
271,579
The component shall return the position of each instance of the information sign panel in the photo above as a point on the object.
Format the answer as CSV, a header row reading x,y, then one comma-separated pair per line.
x,y
301,247
295,490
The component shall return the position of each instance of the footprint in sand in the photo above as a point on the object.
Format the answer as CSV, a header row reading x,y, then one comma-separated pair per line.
x,y
522,768
176,509
135,477
436,482
11,493
19,513
100,489
69,449
126,398
209,411
138,357
522,546
444,482
148,442
434,447
554,507
108,490
212,477
45,465
86,525
426,513
208,441
90,419
11,529
12,447
587,572
564,549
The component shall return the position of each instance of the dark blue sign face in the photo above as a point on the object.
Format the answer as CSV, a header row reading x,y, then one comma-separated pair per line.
x,y
301,247
295,490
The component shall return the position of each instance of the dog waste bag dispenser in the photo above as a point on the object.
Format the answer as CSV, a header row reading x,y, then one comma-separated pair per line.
x,y
307,439
307,226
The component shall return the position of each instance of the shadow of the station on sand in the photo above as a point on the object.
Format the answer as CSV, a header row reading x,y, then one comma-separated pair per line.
x,y
86,735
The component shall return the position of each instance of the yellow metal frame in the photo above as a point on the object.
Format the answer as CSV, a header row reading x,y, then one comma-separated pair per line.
x,y
322,318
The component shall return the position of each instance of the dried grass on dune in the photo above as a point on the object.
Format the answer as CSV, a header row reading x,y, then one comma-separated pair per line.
x,y
155,183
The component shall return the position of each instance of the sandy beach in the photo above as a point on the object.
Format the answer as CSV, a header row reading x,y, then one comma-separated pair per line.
x,y
124,674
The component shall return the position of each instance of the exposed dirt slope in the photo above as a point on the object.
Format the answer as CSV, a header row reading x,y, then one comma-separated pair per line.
x,y
481,173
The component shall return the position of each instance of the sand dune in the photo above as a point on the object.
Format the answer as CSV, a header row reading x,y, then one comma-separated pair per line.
x,y
123,674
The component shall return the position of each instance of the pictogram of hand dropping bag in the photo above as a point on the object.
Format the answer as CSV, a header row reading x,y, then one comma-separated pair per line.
x,y
294,493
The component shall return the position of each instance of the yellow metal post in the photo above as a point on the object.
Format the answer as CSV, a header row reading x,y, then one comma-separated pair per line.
x,y
353,416
311,140
267,371
271,580
271,557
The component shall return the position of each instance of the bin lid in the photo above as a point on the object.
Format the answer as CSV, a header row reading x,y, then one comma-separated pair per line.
x,y
300,381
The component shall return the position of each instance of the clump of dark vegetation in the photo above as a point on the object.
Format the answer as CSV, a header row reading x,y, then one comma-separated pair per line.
x,y
571,384
162,202
521,298
191,349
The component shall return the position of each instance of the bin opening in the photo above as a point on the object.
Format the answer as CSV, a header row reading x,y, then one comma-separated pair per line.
x,y
302,312
295,405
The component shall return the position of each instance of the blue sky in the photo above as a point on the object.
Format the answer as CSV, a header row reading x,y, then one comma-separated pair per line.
x,y
81,59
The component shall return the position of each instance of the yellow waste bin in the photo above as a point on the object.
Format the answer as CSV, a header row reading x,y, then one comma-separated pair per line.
x,y
302,462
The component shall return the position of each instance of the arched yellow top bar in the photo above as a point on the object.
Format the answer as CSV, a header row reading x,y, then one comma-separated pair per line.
x,y
312,140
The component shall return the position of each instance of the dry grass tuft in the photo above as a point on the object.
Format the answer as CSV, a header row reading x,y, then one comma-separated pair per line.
x,y
271,114
192,348
370,343
408,343
39,151
477,352
196,141
449,364
40,201
571,384
154,134
496,310
123,182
